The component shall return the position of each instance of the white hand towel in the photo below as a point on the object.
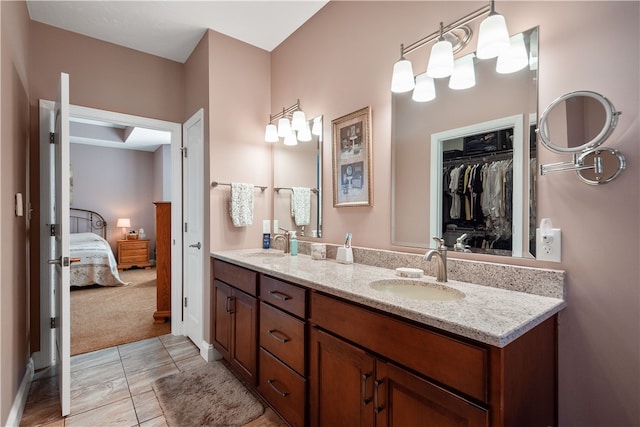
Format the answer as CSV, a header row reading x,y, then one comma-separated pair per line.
x,y
241,204
301,205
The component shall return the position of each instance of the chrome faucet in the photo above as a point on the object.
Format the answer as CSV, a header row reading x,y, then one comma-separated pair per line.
x,y
441,259
284,237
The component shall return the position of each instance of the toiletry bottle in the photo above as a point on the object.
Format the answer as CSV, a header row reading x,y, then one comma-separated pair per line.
x,y
293,243
266,240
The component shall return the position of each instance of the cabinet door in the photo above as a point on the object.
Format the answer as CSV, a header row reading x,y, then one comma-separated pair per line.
x,y
403,399
221,318
340,382
244,334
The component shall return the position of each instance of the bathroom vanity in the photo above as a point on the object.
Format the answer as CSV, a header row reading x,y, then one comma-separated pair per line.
x,y
325,348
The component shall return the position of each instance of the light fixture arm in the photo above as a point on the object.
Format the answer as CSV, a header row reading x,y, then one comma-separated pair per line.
x,y
444,29
286,112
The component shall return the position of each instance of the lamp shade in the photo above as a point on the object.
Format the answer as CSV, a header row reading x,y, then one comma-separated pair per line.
x,y
402,78
290,139
317,126
425,89
123,223
514,58
464,74
440,60
493,36
271,133
304,134
298,120
284,127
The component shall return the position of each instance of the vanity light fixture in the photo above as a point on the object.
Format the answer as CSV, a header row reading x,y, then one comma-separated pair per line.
x,y
291,139
514,58
289,121
402,78
493,36
425,89
441,57
317,126
464,73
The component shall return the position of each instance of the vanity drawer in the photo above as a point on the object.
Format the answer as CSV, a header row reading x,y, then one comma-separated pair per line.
x,y
455,363
283,388
290,298
283,335
238,277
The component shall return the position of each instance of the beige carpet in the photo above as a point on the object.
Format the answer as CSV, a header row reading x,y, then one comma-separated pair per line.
x,y
207,396
103,317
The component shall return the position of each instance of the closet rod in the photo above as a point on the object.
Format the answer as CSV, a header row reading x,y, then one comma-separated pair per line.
x,y
216,183
502,155
277,189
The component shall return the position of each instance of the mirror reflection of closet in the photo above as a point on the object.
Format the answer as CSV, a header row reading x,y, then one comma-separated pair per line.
x,y
414,164
299,166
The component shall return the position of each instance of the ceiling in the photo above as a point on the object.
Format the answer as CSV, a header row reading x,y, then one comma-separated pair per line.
x,y
169,29
172,29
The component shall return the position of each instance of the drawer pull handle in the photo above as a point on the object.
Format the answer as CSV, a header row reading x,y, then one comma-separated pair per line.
x,y
276,337
280,295
378,408
365,400
281,393
228,306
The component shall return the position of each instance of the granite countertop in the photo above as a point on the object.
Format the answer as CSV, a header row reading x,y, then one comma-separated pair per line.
x,y
487,314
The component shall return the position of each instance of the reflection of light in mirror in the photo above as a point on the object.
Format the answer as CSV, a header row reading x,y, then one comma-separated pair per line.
x,y
284,127
298,120
515,58
317,126
425,89
464,74
290,138
304,133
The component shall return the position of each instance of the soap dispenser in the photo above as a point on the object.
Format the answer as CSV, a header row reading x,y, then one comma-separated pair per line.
x,y
293,243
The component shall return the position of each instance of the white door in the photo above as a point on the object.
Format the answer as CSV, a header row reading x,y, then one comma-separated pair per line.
x,y
59,256
192,214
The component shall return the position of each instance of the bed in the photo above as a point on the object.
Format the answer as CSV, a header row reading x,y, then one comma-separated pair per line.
x,y
97,265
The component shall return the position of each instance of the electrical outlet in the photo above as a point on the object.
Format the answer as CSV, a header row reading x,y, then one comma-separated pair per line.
x,y
549,248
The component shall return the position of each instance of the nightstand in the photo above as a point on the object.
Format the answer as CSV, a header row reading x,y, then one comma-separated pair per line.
x,y
133,253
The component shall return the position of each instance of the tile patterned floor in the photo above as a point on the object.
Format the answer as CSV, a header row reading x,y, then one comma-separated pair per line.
x,y
112,387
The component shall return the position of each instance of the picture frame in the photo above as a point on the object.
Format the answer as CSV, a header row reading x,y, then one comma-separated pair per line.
x,y
351,152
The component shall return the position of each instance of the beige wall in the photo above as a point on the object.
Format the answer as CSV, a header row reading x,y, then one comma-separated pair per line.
x,y
351,48
14,143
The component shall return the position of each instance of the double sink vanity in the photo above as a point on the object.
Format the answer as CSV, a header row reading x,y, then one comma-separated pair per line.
x,y
331,344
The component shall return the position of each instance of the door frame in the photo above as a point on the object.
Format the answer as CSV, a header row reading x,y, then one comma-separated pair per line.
x,y
45,356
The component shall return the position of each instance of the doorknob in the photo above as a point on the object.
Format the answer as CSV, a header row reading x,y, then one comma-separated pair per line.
x,y
56,261
63,261
196,245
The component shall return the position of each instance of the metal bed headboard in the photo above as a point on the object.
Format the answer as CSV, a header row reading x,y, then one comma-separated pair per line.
x,y
86,221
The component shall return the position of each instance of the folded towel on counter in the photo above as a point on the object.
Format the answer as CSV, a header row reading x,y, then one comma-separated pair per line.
x,y
301,205
241,204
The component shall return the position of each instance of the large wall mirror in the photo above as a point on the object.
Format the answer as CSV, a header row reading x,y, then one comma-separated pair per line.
x,y
297,180
487,128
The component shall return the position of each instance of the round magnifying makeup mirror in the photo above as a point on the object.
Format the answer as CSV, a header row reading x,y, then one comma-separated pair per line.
x,y
577,122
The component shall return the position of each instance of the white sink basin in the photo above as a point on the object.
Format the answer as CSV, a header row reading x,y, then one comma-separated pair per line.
x,y
416,289
266,254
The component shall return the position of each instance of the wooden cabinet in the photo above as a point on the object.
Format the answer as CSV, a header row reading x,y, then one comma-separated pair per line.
x,y
133,253
235,318
163,262
283,343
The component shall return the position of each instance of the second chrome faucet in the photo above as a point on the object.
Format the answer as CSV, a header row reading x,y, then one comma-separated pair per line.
x,y
441,259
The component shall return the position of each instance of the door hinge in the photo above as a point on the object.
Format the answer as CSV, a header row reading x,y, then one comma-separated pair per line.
x,y
184,151
185,302
52,230
185,227
52,138
52,322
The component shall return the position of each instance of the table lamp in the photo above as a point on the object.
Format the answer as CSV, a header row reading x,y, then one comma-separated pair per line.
x,y
124,223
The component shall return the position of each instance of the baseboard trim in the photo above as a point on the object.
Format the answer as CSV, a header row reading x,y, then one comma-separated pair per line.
x,y
21,398
209,353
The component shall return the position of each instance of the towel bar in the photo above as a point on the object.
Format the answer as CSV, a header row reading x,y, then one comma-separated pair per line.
x,y
277,189
216,183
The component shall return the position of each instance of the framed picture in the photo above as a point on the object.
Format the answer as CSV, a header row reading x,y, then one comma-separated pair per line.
x,y
352,184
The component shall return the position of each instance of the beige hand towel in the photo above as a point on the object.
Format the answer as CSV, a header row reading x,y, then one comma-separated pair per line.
x,y
301,205
241,204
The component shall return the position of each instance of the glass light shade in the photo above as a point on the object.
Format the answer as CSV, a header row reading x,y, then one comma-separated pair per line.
x,y
440,60
304,134
464,73
515,58
425,89
271,133
298,120
284,127
493,37
123,223
290,138
402,78
317,126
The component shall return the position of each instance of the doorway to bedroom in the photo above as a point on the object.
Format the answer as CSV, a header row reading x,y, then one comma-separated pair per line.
x,y
118,172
